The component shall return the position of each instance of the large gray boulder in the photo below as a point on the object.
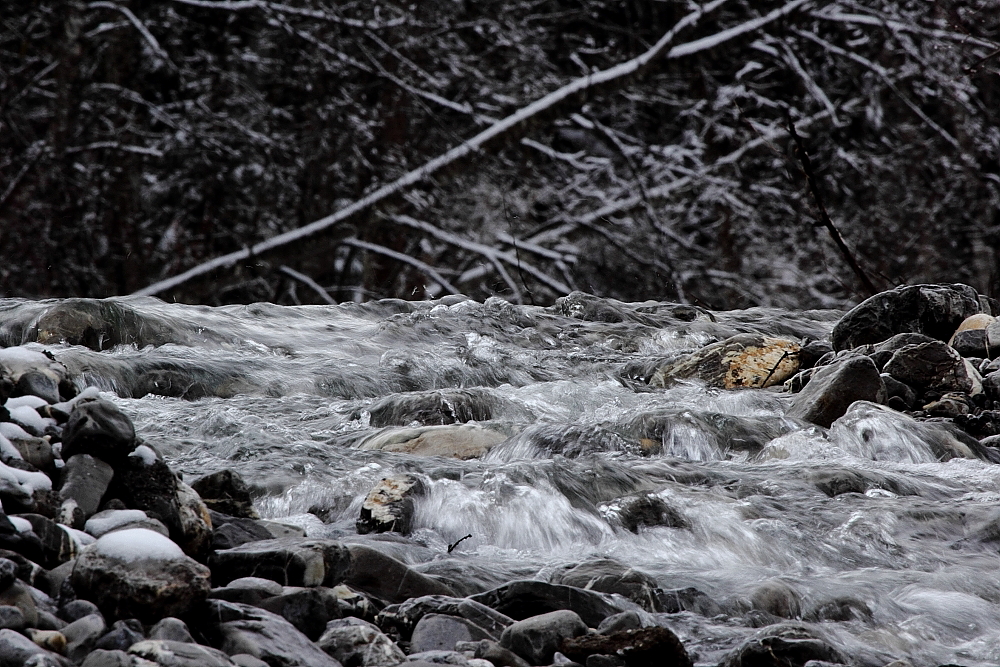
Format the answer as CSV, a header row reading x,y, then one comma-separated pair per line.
x,y
934,366
932,310
784,644
404,617
833,388
385,577
138,573
85,481
440,632
241,628
290,561
536,639
97,427
523,599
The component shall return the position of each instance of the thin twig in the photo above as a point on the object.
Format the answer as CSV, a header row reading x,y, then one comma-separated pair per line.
x,y
308,282
824,217
406,259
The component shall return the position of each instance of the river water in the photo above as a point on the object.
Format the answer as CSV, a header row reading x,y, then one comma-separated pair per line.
x,y
909,556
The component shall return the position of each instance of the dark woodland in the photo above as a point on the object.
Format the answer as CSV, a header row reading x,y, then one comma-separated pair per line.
x,y
139,140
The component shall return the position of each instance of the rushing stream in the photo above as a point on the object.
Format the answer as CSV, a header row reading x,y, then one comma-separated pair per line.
x,y
904,565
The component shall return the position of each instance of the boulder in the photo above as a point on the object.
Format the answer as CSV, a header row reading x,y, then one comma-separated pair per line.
x,y
24,490
97,427
102,658
167,653
458,441
932,310
742,361
639,647
605,575
226,492
50,640
82,634
358,643
229,531
85,480
776,598
833,388
385,577
643,510
388,507
932,366
57,544
523,599
434,407
290,561
37,383
498,655
139,573
404,617
537,638
11,617
77,609
122,635
241,628
781,645
894,389
440,632
18,594
308,609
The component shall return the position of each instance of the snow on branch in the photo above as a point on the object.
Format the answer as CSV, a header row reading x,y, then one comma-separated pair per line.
x,y
474,145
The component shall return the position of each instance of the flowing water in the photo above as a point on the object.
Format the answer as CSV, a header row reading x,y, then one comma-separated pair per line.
x,y
904,565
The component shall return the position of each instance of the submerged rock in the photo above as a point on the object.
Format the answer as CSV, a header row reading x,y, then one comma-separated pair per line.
x,y
782,645
743,361
932,310
460,441
605,575
434,407
226,492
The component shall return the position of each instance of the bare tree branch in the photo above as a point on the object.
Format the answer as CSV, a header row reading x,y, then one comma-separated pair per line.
x,y
308,282
474,145
400,257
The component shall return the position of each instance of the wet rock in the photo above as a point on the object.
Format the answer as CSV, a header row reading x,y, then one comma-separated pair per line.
x,y
229,531
37,383
226,492
812,352
388,507
833,388
688,599
840,609
244,629
537,638
82,634
459,441
777,598
168,653
440,632
523,599
547,439
933,366
783,645
932,310
981,425
57,545
308,609
139,573
434,407
35,451
85,480
403,617
627,620
991,386
971,338
99,324
743,361
172,629
247,590
290,561
16,362
387,578
609,576
16,650
102,658
97,427
356,643
122,635
643,510
705,435
195,528
644,647
896,389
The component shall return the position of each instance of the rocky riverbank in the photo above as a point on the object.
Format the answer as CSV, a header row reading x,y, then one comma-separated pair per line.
x,y
109,558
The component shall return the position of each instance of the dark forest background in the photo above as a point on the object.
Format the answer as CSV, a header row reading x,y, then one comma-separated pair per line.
x,y
141,138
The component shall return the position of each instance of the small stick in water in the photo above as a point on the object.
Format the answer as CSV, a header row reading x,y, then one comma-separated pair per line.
x,y
451,547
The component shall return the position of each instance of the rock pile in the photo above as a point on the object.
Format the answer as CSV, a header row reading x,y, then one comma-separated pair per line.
x,y
108,559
